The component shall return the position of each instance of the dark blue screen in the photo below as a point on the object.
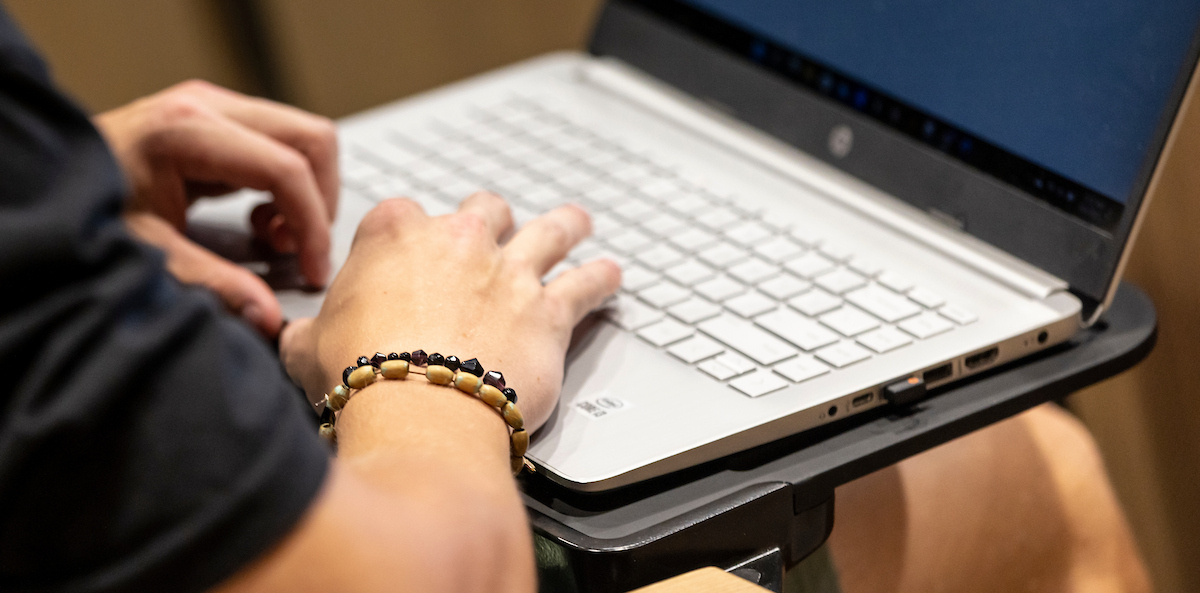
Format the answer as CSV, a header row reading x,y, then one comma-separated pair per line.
x,y
1076,86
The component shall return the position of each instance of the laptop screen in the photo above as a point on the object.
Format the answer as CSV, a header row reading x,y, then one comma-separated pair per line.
x,y
1061,99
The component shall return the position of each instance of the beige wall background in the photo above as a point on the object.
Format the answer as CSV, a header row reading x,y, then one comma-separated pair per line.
x,y
336,58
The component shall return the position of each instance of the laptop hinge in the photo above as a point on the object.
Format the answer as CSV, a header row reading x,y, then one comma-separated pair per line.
x,y
936,232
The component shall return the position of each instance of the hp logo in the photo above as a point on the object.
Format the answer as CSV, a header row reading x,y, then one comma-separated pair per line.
x,y
841,141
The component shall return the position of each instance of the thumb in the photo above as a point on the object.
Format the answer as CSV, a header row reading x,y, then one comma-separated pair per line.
x,y
242,292
297,351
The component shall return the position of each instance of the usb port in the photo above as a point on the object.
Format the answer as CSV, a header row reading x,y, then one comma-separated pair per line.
x,y
862,400
976,361
938,374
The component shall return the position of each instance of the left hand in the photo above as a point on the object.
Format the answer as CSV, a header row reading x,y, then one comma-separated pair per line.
x,y
196,139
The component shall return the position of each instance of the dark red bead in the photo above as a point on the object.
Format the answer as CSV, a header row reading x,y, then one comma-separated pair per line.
x,y
327,416
452,363
405,357
511,394
393,356
473,367
436,359
495,379
419,358
378,359
363,361
346,375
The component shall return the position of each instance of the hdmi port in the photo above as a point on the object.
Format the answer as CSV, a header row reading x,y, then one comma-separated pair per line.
x,y
982,359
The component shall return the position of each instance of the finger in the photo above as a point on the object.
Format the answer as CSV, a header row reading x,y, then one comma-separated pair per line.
x,y
242,292
298,353
492,209
313,136
270,226
547,239
583,289
219,150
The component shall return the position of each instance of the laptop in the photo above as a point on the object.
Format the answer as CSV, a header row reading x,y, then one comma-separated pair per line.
x,y
820,208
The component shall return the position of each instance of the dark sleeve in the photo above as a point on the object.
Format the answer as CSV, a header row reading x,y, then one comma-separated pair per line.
x,y
148,442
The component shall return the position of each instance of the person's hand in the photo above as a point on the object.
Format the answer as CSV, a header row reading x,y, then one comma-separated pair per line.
x,y
196,139
445,285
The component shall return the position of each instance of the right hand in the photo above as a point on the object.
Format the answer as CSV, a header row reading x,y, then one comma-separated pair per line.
x,y
446,285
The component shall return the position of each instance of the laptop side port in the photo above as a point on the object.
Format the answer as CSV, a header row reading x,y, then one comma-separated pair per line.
x,y
939,373
985,358
862,400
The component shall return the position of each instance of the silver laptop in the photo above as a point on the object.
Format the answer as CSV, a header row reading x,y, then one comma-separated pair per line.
x,y
820,208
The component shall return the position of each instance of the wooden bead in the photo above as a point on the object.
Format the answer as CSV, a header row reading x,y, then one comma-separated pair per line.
x,y
394,369
513,416
337,400
517,464
467,383
328,434
362,377
439,374
492,396
520,443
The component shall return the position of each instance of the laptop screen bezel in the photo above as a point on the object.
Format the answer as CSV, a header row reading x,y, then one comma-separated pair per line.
x,y
649,35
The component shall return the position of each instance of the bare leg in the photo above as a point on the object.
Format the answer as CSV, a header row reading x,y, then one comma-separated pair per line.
x,y
1024,505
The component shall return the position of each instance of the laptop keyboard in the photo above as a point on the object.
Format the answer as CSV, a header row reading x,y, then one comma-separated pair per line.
x,y
718,286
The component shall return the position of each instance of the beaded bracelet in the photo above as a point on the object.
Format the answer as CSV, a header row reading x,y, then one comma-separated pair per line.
x,y
467,376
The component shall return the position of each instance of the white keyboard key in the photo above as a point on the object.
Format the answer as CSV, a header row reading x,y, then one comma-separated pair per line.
x,y
748,233
801,331
926,325
841,280
585,250
806,236
604,225
883,303
723,255
843,354
739,364
605,195
926,297
659,257
742,336
694,310
630,314
810,265
664,294
542,197
884,339
634,210
896,282
784,286
849,321
753,271
661,188
958,315
689,204
692,239
664,224
635,278
815,302
718,219
759,384
696,349
621,260
629,241
865,266
720,288
778,250
717,370
750,304
665,332
690,272
836,251
801,368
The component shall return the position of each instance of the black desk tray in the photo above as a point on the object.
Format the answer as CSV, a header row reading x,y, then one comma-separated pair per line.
x,y
764,510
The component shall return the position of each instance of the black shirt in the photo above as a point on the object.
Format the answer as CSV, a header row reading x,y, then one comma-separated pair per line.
x,y
148,442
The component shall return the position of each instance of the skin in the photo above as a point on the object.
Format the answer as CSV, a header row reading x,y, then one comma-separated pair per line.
x,y
420,497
